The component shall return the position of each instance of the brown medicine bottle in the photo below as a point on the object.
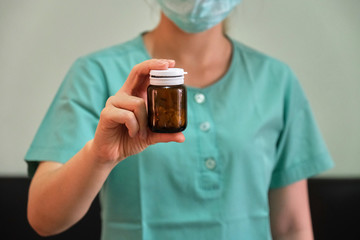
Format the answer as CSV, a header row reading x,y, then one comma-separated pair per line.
x,y
166,96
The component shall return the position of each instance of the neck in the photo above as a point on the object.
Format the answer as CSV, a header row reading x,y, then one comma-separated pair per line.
x,y
192,51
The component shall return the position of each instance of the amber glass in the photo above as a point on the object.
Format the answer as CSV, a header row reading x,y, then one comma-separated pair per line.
x,y
167,108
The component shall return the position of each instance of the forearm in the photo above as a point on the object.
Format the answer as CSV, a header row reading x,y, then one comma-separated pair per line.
x,y
61,197
290,212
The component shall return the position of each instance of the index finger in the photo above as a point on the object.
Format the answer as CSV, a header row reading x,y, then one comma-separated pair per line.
x,y
138,79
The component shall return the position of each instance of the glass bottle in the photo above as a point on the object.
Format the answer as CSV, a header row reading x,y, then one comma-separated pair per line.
x,y
167,110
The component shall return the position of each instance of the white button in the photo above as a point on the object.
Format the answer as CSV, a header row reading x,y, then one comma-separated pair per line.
x,y
205,126
210,163
199,98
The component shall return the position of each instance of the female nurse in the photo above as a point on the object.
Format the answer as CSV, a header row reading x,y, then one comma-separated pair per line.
x,y
251,140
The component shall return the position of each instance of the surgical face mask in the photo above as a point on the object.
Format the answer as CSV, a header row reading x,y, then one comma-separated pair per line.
x,y
195,16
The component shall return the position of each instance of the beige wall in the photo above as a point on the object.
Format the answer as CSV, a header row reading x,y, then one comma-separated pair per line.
x,y
40,39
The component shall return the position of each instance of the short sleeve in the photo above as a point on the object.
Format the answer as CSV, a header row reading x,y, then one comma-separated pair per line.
x,y
72,117
301,150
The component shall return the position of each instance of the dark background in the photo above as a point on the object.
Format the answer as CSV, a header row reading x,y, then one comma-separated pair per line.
x,y
335,209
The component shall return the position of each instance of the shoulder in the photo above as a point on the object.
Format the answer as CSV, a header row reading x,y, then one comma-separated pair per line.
x,y
270,80
111,65
117,51
255,60
268,75
107,59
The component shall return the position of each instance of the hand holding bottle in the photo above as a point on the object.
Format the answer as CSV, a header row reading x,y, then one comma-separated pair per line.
x,y
123,130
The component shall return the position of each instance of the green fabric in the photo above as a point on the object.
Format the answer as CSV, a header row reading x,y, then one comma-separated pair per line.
x,y
259,131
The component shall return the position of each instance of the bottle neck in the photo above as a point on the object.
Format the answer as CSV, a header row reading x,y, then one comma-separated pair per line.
x,y
166,81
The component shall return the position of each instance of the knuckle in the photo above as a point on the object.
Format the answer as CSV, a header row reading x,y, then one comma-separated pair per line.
x,y
136,68
104,113
139,102
129,116
140,68
109,101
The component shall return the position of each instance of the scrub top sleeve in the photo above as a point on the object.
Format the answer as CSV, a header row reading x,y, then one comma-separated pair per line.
x,y
73,116
301,151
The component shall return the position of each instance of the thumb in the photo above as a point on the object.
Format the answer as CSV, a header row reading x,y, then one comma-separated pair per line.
x,y
166,137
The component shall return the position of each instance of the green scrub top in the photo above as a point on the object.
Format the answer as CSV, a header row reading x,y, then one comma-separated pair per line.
x,y
251,131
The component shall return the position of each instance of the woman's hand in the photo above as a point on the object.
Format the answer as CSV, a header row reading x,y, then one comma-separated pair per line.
x,y
123,130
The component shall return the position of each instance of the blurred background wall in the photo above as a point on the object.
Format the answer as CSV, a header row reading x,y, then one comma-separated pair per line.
x,y
40,39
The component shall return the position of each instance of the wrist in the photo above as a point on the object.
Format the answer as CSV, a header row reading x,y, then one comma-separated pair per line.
x,y
99,161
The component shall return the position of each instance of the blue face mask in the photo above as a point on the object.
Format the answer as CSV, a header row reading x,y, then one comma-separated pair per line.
x,y
195,16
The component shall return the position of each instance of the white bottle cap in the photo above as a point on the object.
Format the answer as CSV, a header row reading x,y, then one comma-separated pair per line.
x,y
170,76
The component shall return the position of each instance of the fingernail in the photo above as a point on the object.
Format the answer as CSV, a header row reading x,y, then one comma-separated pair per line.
x,y
162,62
